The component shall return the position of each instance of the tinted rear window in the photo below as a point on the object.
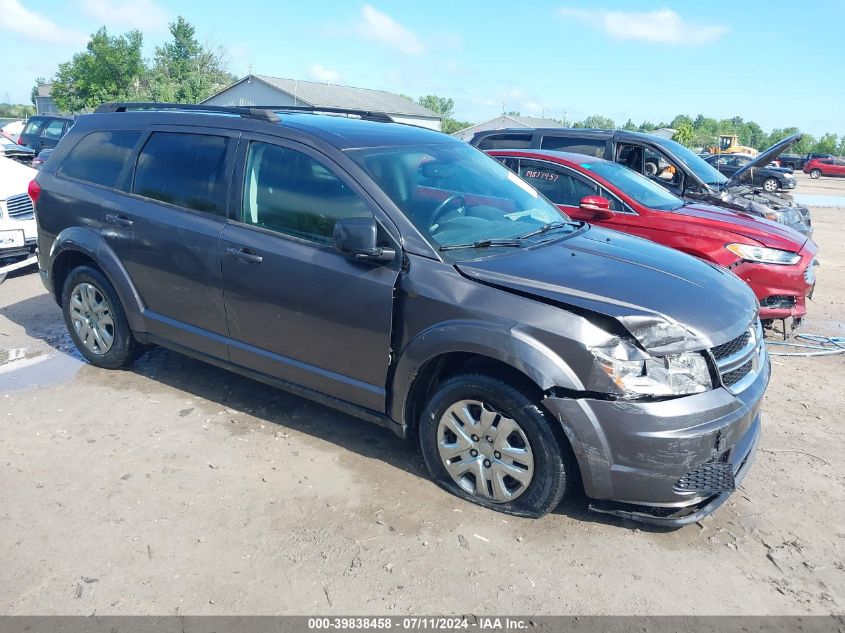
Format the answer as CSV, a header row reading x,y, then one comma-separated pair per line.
x,y
32,126
100,156
594,148
505,141
183,169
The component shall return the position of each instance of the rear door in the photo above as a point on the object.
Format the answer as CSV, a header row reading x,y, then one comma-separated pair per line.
x,y
298,310
838,167
167,233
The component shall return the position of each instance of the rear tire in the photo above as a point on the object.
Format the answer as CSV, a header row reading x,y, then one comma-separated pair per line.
x,y
96,321
489,442
771,185
815,174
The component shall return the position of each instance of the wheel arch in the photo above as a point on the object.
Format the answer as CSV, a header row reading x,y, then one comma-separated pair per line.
x,y
451,348
77,246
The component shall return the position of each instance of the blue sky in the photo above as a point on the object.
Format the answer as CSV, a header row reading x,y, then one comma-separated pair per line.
x,y
640,59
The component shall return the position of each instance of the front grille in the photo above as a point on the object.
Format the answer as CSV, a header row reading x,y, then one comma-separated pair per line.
x,y
19,207
778,301
738,360
732,377
731,347
712,477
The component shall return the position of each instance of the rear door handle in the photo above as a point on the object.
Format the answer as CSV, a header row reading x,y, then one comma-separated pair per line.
x,y
120,220
245,255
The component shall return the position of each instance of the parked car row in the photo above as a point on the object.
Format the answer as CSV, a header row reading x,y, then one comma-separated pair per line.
x,y
796,162
403,276
770,178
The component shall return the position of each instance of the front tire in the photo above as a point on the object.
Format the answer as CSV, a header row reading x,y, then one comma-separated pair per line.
x,y
771,185
96,321
490,443
815,174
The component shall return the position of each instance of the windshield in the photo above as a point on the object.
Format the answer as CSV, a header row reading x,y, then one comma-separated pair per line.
x,y
697,165
456,194
636,186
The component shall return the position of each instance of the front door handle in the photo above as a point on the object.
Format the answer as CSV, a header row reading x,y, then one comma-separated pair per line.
x,y
245,255
120,220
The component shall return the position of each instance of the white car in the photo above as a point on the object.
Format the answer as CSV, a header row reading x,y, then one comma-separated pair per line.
x,y
17,220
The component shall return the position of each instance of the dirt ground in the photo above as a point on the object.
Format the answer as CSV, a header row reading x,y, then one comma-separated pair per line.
x,y
178,488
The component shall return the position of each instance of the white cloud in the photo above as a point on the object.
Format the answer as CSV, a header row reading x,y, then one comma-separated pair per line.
x,y
321,73
379,26
662,26
137,14
18,19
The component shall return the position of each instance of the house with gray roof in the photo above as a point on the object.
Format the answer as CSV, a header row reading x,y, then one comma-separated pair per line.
x,y
503,122
264,90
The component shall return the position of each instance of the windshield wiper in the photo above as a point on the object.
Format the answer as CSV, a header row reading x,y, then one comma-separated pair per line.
x,y
482,244
551,226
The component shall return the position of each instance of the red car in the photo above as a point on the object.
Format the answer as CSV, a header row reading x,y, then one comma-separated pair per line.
x,y
776,261
825,167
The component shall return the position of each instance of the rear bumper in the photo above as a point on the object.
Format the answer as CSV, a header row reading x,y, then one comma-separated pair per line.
x,y
635,454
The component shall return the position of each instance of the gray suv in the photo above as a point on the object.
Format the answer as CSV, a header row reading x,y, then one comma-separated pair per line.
x,y
406,278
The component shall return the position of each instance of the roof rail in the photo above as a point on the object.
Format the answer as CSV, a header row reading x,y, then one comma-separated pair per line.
x,y
369,115
251,112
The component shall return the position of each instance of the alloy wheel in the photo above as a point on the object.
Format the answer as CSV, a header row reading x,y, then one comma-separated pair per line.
x,y
91,316
484,451
770,185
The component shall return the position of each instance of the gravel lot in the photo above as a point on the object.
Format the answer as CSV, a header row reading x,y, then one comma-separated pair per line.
x,y
176,487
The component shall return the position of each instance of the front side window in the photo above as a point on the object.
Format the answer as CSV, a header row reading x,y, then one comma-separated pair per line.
x,y
638,187
456,194
594,148
290,192
99,157
54,129
183,169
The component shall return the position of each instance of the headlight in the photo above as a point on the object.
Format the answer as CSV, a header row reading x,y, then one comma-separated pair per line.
x,y
672,375
763,255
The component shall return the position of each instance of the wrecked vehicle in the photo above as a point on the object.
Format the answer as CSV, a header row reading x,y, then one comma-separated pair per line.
x,y
17,222
679,170
775,261
402,276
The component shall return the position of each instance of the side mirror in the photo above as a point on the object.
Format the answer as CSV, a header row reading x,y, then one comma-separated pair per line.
x,y
357,239
598,206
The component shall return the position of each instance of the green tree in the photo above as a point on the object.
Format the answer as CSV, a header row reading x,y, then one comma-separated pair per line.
x,y
598,121
647,126
111,69
512,113
679,120
630,126
827,144
685,134
445,108
185,71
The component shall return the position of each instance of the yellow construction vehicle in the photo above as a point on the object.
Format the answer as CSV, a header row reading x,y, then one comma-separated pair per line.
x,y
729,144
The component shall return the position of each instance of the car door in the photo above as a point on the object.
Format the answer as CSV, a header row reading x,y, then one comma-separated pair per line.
x,y
166,233
566,188
297,309
837,168
29,133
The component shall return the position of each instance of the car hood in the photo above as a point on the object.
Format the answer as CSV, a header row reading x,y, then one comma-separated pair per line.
x,y
669,301
767,233
764,158
14,177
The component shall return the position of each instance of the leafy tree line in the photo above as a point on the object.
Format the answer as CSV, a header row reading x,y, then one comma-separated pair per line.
x,y
15,111
112,68
704,132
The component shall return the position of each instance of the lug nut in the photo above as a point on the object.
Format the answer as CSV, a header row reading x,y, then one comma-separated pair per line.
x,y
489,439
497,454
474,453
486,463
474,438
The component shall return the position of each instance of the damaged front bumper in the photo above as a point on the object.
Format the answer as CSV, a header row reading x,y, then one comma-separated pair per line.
x,y
644,460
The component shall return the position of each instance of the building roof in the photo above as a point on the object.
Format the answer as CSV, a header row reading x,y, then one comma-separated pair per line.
x,y
44,90
334,96
507,121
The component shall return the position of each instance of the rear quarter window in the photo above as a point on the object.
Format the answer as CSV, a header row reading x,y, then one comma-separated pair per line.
x,y
183,169
32,127
505,141
99,157
594,148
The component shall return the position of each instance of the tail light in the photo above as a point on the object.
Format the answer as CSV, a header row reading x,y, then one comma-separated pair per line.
x,y
34,190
